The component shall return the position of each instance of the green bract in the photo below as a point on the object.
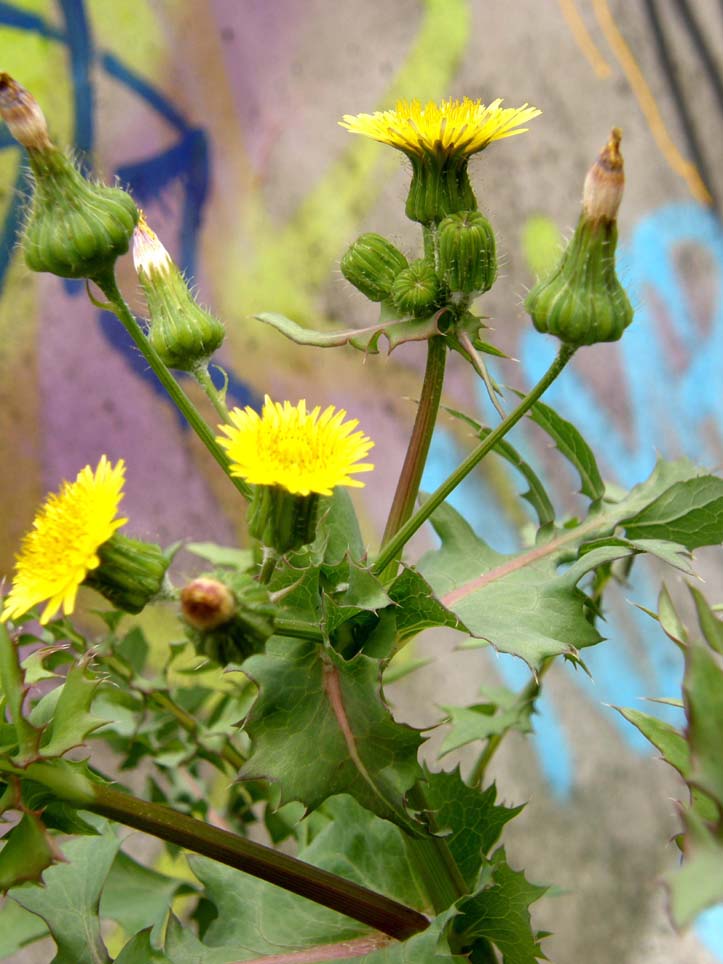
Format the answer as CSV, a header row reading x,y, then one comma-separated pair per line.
x,y
467,252
583,302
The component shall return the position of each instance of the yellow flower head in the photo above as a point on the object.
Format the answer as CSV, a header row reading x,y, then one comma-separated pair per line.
x,y
303,452
454,127
62,547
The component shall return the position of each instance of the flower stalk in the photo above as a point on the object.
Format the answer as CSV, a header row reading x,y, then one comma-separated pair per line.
x,y
405,533
119,307
419,442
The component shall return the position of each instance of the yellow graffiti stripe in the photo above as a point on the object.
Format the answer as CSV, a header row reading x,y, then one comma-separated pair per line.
x,y
644,96
583,39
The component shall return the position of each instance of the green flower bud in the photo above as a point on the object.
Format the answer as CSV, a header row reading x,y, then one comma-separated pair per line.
x,y
131,573
229,616
371,264
76,229
282,520
467,256
183,333
583,302
417,290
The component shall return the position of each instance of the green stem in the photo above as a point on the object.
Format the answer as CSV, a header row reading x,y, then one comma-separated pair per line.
x,y
524,698
284,871
396,544
184,404
12,684
418,449
298,629
203,378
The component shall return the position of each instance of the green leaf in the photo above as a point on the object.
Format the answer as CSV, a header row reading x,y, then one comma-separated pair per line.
x,y
499,912
703,693
536,494
573,446
339,528
527,604
351,589
501,713
698,884
520,604
139,950
68,902
135,896
689,512
27,850
470,821
671,743
72,722
319,726
711,626
226,556
18,928
417,608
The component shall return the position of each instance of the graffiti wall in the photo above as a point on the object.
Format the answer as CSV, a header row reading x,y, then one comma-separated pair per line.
x,y
221,118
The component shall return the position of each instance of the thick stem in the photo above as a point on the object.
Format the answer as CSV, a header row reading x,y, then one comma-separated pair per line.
x,y
418,449
294,875
202,376
432,859
395,545
119,307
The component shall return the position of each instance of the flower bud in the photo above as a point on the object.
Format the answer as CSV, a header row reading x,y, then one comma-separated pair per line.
x,y
75,229
23,116
371,264
131,573
183,333
229,616
207,603
467,256
583,302
417,289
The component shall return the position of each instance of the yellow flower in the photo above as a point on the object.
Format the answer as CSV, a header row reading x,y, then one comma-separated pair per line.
x,y
455,127
303,452
62,547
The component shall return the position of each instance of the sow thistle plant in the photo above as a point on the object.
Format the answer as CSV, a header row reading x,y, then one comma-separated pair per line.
x,y
268,714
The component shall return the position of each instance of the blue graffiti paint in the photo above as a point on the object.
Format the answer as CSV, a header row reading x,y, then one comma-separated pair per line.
x,y
11,16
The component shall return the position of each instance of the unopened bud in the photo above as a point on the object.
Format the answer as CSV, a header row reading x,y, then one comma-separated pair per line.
x,y
23,116
582,302
238,633
417,290
76,229
467,257
371,264
605,181
184,334
207,603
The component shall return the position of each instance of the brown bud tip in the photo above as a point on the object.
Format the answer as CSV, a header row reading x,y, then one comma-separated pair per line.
x,y
207,603
22,114
605,181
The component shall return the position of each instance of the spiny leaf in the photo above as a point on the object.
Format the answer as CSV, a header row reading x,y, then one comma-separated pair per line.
x,y
72,722
526,604
27,851
417,607
135,896
504,711
221,555
703,692
68,902
351,589
471,822
319,726
698,884
671,743
499,912
689,512
573,446
18,928
711,626
139,950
